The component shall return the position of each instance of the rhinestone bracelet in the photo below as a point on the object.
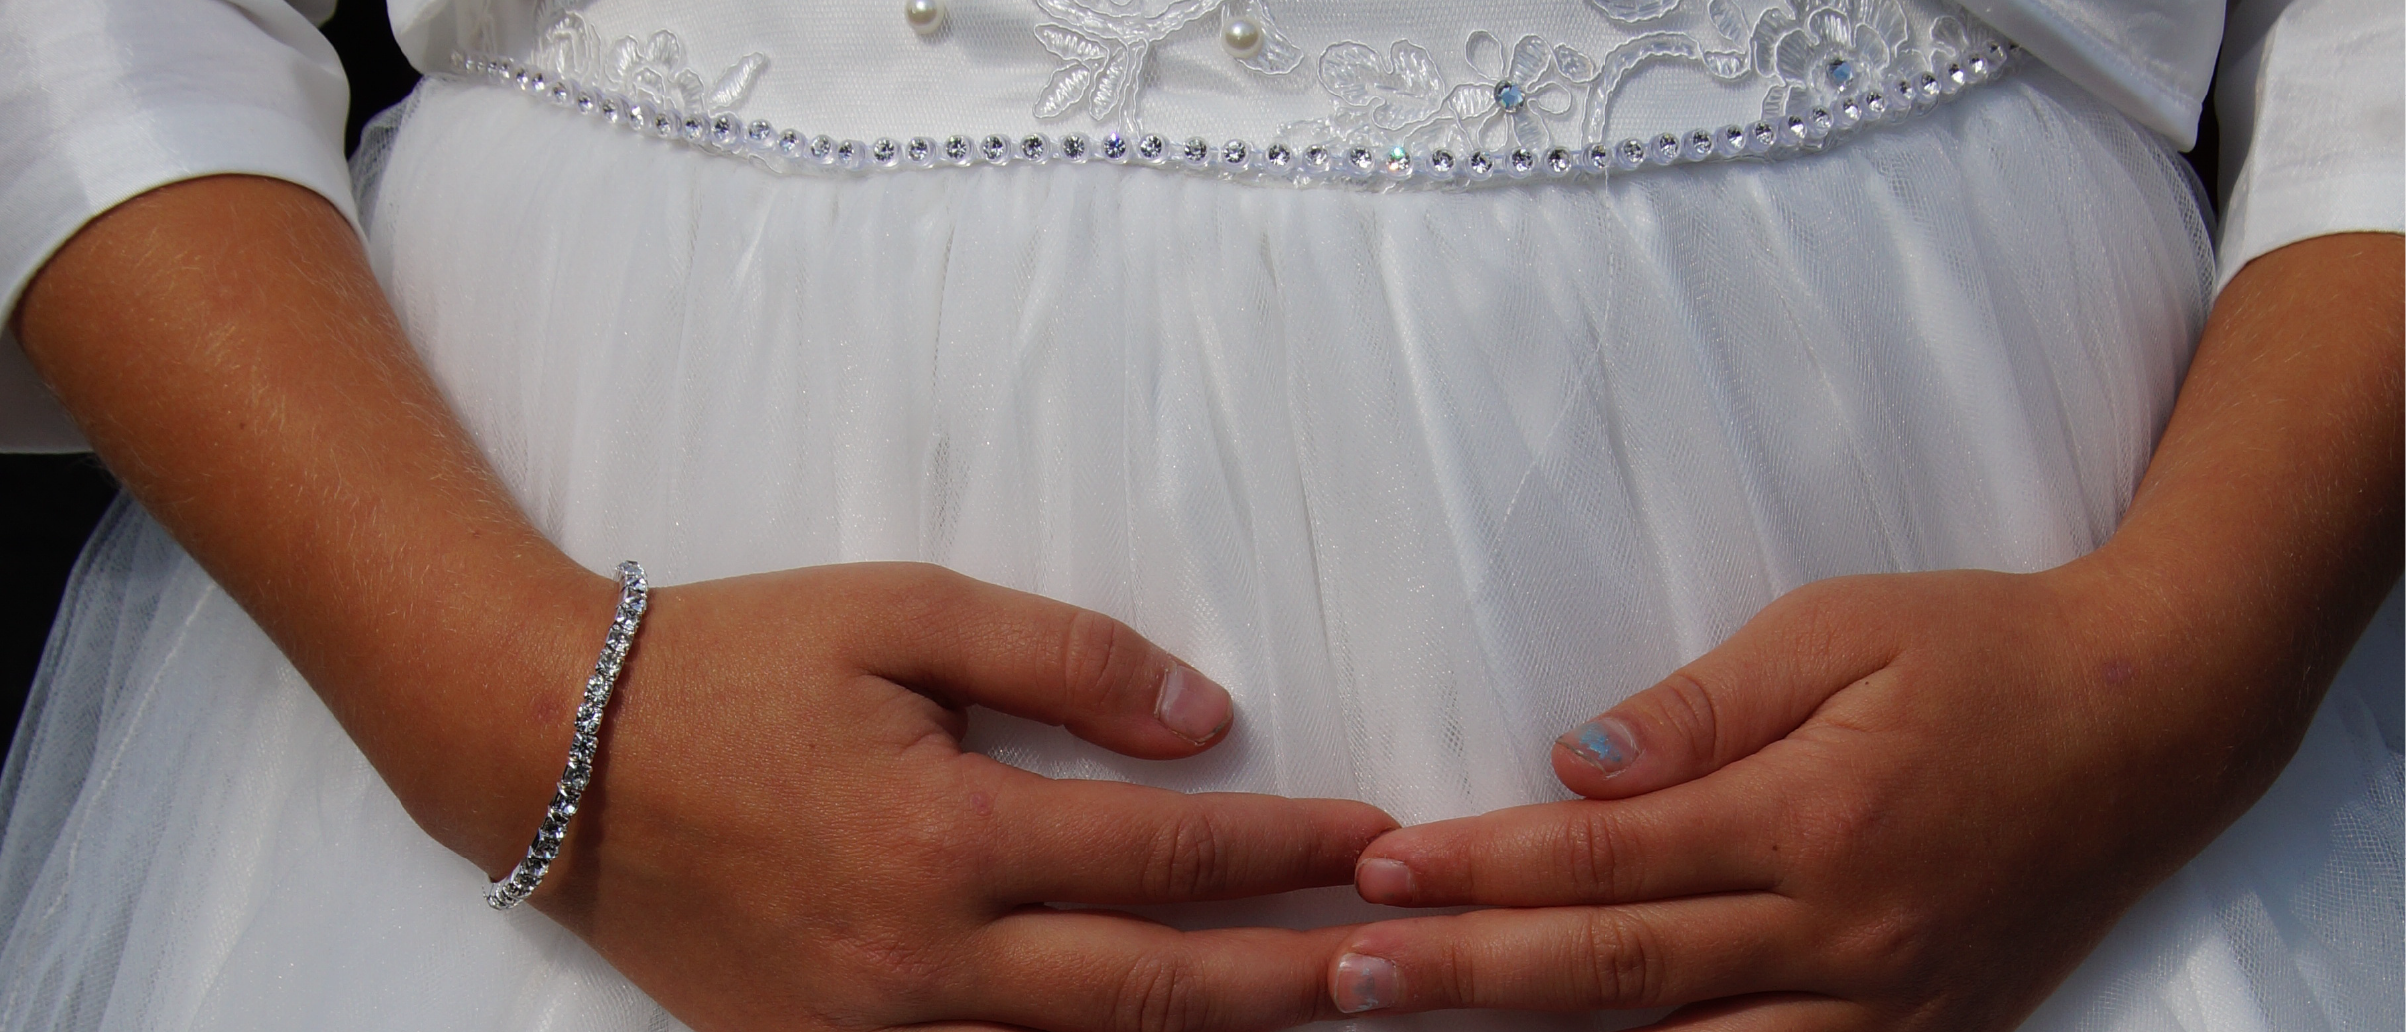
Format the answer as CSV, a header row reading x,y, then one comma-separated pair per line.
x,y
633,594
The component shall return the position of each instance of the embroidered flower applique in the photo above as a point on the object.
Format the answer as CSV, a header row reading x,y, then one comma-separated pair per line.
x,y
650,71
1105,44
1514,96
1815,51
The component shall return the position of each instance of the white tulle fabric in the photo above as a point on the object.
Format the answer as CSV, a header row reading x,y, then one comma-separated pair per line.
x,y
1424,479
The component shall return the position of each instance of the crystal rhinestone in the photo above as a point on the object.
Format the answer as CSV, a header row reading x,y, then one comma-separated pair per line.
x,y
1442,161
1793,132
1399,160
1242,37
1995,52
1034,148
1151,147
1629,154
1819,122
1361,159
1234,153
1842,71
724,129
1731,141
1509,96
532,82
1760,138
760,133
545,849
1956,78
956,150
1664,151
560,93
1697,146
1846,115
1115,147
848,153
1979,66
585,102
664,124
1073,147
1195,152
1599,158
886,152
1479,164
789,143
1316,158
611,110
1875,106
694,127
1559,161
1279,155
921,150
1928,87
822,148
994,149
926,17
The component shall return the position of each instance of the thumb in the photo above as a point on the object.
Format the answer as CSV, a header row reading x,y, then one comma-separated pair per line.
x,y
969,641
1753,690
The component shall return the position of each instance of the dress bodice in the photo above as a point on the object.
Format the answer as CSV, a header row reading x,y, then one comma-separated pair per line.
x,y
1281,90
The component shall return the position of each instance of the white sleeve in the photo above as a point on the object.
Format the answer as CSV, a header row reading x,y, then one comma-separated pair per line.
x,y
101,100
2313,119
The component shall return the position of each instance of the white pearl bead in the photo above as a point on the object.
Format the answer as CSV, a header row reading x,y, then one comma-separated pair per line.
x,y
925,16
1242,37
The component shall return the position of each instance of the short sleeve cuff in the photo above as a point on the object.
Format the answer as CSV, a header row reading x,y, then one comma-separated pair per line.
x,y
106,164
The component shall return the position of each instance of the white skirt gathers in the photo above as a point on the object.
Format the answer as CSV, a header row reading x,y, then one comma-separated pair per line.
x,y
1424,478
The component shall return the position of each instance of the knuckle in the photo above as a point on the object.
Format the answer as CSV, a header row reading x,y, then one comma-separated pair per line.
x,y
1097,653
1687,707
1159,993
1887,940
1186,859
1590,842
1622,968
894,968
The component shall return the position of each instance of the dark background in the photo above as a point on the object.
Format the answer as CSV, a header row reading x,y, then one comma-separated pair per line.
x,y
54,500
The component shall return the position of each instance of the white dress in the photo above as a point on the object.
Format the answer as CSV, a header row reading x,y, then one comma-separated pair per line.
x,y
1424,466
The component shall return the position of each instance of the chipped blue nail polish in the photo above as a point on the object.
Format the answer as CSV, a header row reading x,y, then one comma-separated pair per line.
x,y
1603,743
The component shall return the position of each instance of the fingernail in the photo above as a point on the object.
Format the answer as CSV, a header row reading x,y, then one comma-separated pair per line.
x,y
1191,706
1383,881
1363,983
1604,743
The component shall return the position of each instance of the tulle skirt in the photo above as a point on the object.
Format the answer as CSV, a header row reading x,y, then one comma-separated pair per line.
x,y
1424,478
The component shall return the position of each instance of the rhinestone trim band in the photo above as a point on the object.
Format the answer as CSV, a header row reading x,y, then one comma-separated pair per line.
x,y
1359,165
634,595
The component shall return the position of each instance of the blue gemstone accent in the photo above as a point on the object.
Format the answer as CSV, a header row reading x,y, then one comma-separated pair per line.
x,y
1842,71
1509,96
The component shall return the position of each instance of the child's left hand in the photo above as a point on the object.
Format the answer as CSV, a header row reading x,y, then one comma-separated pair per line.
x,y
1899,802
1915,801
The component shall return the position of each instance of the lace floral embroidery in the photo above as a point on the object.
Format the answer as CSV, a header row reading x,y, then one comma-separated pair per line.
x,y
1105,44
650,72
1540,107
1809,55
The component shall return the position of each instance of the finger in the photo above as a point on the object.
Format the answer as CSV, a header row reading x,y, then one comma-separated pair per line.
x,y
1765,1012
1751,691
1693,839
1571,958
1109,843
1101,971
1030,656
